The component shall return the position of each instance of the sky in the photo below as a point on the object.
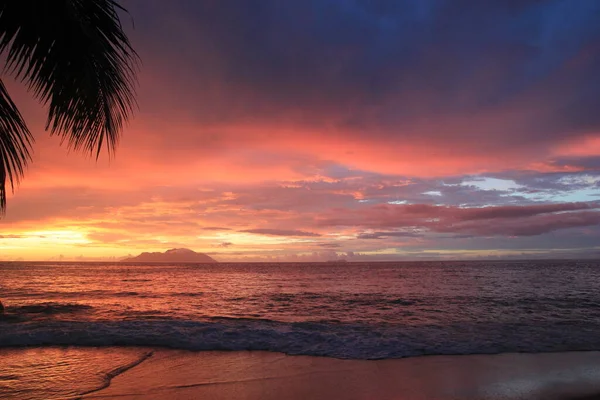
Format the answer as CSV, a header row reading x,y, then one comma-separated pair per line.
x,y
326,129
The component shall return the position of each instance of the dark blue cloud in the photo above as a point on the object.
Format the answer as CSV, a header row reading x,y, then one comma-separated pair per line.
x,y
517,73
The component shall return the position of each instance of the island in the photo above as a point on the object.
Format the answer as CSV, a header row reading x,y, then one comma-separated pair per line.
x,y
172,256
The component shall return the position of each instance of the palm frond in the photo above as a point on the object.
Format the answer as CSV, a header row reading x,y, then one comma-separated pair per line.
x,y
75,57
15,144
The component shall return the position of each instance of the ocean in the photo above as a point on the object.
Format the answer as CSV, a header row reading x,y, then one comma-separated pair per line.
x,y
341,310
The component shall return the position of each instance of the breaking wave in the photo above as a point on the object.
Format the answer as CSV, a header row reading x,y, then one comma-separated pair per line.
x,y
351,341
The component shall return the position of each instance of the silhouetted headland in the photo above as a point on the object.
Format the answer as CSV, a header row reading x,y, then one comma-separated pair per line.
x,y
172,256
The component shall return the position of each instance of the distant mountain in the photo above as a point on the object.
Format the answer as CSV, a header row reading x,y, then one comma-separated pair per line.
x,y
172,256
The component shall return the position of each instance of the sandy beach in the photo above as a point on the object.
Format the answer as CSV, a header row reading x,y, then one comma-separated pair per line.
x,y
152,373
261,375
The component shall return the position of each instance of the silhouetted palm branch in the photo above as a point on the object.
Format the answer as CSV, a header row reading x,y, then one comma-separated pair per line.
x,y
74,56
15,142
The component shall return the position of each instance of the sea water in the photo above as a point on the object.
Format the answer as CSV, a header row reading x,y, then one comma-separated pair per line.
x,y
343,310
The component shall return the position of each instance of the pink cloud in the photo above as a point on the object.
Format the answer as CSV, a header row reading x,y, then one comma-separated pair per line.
x,y
499,220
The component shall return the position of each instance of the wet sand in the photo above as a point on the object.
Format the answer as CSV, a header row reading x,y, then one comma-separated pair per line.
x,y
146,373
173,374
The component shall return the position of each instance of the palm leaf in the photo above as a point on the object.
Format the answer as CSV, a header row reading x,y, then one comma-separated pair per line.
x,y
74,56
15,143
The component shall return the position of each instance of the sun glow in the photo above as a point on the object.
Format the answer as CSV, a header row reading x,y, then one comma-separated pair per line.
x,y
40,244
58,237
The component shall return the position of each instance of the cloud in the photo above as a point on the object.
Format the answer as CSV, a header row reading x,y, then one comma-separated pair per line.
x,y
534,225
280,232
108,236
499,220
329,245
380,235
361,82
334,120
520,211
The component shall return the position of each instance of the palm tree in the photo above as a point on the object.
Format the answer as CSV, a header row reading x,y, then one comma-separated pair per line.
x,y
75,58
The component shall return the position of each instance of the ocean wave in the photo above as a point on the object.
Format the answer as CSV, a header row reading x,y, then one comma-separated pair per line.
x,y
47,308
50,294
350,341
40,311
187,294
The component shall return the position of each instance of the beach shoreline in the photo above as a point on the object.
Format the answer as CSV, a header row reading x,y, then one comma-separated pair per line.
x,y
177,374
158,373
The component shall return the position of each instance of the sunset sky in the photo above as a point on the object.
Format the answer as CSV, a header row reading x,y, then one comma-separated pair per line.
x,y
321,129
